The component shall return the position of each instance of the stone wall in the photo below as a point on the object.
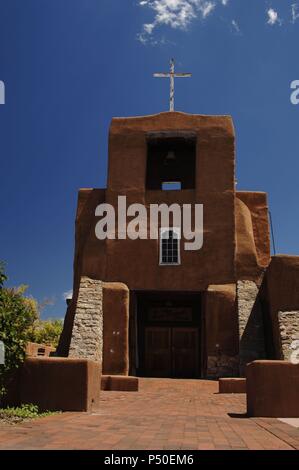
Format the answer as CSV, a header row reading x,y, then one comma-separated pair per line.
x,y
251,326
87,334
280,293
222,365
289,331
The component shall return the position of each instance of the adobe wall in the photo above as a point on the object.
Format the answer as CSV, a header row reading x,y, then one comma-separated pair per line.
x,y
116,329
221,331
236,244
99,325
236,237
215,188
280,297
61,384
90,252
252,235
127,149
272,389
214,263
89,257
36,349
252,259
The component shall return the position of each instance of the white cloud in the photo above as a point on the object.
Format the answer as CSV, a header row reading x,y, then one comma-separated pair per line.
x,y
273,17
68,294
148,28
178,14
295,12
236,27
207,9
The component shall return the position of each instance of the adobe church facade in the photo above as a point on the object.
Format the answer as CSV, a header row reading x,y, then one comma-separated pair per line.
x,y
198,314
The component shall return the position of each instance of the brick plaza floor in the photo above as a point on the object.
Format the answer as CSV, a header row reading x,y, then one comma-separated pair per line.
x,y
165,414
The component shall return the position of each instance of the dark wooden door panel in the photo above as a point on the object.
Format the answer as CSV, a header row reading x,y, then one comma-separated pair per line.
x,y
158,352
185,352
171,352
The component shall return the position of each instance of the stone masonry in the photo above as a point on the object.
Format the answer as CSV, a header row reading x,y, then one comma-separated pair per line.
x,y
222,365
251,328
87,334
289,331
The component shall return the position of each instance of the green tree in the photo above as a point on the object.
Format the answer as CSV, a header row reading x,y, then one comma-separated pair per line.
x,y
3,277
17,317
47,331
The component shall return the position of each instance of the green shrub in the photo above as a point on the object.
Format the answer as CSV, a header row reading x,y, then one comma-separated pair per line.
x,y
20,323
17,316
47,332
19,413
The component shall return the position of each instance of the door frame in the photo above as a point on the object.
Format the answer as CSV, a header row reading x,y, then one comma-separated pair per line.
x,y
138,301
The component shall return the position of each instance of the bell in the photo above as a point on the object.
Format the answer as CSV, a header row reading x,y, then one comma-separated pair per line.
x,y
170,155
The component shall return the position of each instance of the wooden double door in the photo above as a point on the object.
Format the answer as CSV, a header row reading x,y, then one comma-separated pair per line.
x,y
171,351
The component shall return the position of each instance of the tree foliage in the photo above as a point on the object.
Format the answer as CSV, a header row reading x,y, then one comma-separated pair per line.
x,y
20,323
17,316
47,332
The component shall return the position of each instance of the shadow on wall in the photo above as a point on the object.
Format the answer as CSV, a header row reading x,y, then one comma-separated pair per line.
x,y
252,341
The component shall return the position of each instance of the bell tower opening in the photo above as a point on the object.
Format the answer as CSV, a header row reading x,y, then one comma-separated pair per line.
x,y
171,162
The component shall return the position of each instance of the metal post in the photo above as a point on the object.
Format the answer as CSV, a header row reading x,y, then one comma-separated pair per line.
x,y
171,103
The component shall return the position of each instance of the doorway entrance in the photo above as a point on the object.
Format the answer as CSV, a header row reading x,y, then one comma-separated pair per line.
x,y
168,334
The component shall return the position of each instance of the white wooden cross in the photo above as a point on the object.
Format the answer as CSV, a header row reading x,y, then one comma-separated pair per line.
x,y
172,75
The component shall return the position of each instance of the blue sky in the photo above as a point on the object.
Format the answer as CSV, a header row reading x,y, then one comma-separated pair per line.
x,y
70,66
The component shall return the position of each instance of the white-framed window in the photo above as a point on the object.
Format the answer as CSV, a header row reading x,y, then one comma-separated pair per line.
x,y
170,246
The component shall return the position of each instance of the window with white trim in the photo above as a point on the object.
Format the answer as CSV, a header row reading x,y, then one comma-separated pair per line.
x,y
170,246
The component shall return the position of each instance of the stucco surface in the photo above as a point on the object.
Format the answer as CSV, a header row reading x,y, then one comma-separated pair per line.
x,y
116,328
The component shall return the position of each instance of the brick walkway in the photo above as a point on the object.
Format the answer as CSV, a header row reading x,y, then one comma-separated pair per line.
x,y
165,414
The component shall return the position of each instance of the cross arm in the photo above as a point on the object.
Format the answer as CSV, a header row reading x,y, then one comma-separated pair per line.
x,y
183,75
163,75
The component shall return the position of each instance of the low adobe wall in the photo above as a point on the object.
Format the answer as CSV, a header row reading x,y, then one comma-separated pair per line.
x,y
57,384
272,389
